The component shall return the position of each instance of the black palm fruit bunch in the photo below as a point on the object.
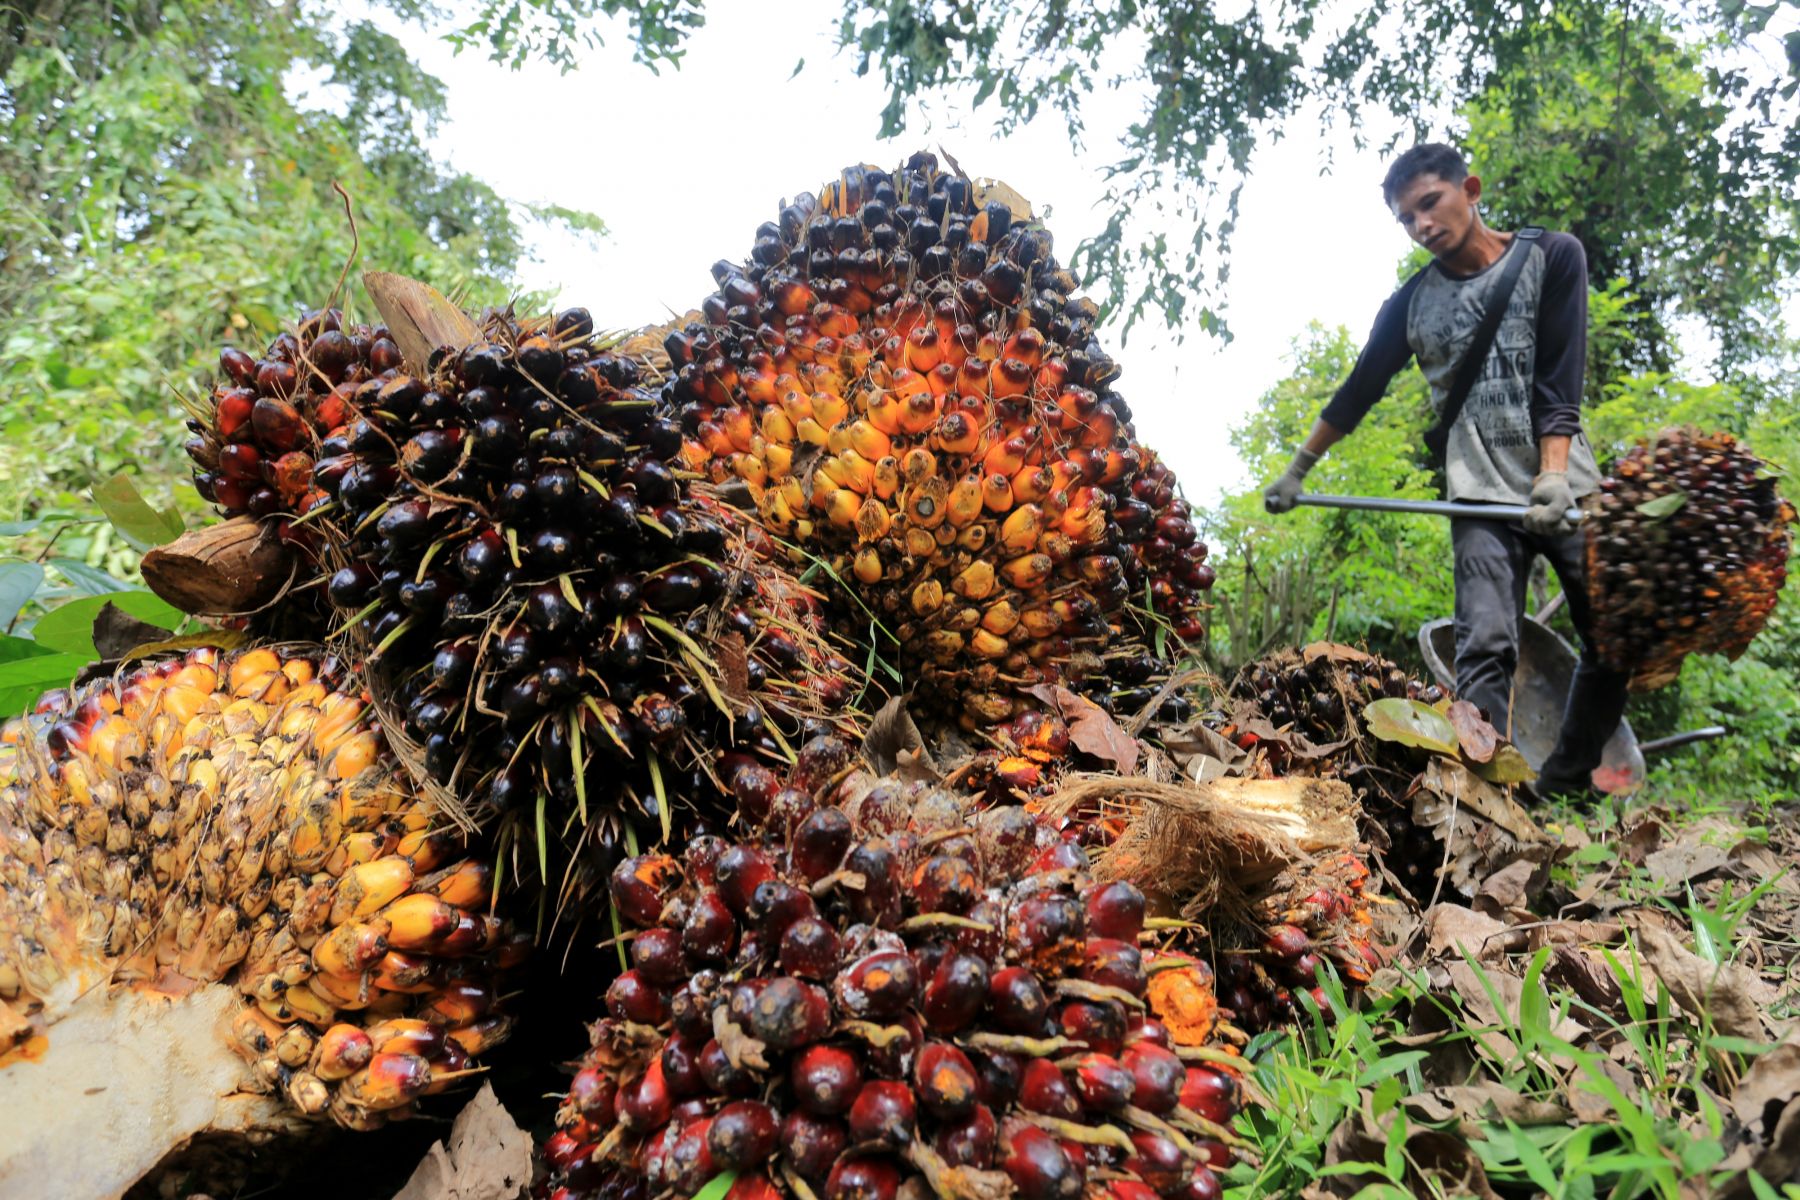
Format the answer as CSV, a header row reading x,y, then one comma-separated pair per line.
x,y
560,631
1687,551
1321,697
880,993
904,379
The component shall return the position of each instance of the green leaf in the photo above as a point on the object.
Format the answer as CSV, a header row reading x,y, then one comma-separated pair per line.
x,y
1411,723
19,582
14,648
717,1186
91,580
23,680
70,628
132,515
1663,506
1507,766
19,528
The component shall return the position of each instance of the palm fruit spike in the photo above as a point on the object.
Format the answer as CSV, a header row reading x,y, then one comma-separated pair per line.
x,y
224,835
562,632
1314,912
906,384
1687,549
889,991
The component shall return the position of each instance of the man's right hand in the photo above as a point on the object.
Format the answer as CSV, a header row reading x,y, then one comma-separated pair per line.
x,y
1280,496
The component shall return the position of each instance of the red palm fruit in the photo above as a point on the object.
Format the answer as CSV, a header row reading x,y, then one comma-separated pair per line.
x,y
1114,964
810,1145
701,856
970,1141
237,364
754,786
1002,1077
738,872
1213,1153
1287,941
1211,1093
1141,1028
645,1103
883,1114
241,463
690,1163
592,1096
633,998
640,886
878,902
656,956
1018,1001
748,1187
776,905
788,1014
893,1058
710,933
819,844
1103,1083
825,1079
1157,1076
1007,837
955,993
721,1076
1115,910
1064,856
1158,1161
946,1081
878,986
1099,1026
743,1134
1046,932
680,1060
278,425
1205,1185
810,949
561,1150
864,1177
1037,1164
944,883
1045,1089
1130,1189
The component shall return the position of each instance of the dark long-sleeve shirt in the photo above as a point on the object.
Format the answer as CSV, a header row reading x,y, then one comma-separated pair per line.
x,y
1529,388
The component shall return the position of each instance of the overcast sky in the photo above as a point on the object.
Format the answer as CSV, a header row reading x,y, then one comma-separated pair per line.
x,y
684,165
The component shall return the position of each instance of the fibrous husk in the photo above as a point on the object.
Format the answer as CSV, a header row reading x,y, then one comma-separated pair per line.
x,y
235,566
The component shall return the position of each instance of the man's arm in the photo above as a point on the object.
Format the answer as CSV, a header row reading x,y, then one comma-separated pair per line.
x,y
1556,380
1382,357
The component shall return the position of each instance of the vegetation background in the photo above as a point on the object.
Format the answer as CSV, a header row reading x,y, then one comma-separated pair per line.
x,y
163,191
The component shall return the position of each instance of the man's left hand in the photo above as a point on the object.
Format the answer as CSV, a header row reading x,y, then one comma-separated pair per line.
x,y
1551,501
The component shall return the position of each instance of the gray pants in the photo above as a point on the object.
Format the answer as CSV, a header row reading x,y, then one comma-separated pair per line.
x,y
1493,564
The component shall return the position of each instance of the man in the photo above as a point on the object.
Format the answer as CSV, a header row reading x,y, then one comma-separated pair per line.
x,y
1516,440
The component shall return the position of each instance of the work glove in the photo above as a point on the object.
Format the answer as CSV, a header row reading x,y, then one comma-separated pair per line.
x,y
1279,497
1551,501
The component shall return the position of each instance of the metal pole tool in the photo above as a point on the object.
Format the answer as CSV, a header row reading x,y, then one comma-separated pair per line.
x,y
1431,508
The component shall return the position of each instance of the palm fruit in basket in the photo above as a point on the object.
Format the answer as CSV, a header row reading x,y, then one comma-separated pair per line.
x,y
1687,551
561,630
904,379
879,994
233,818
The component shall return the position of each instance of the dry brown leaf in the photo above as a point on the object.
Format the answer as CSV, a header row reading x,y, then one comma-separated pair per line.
x,y
893,737
734,667
1451,929
1511,886
1091,728
1676,865
419,317
488,1157
1485,1100
1587,974
1766,1088
1508,988
1733,997
1478,739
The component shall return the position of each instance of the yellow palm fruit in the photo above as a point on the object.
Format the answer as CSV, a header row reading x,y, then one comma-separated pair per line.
x,y
997,493
974,538
975,582
777,426
809,431
887,477
239,824
965,500
1001,617
750,469
869,441
919,542
867,565
943,645
987,645
1026,572
927,504
842,508
1021,529
872,520
859,472
927,597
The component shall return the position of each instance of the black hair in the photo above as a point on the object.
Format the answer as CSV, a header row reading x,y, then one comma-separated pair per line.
x,y
1427,158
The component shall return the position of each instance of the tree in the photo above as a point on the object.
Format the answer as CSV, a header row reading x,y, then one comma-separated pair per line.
x,y
1215,85
162,192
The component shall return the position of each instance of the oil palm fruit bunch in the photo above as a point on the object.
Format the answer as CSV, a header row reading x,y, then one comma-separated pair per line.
x,y
1687,551
877,993
1315,912
233,819
270,420
562,630
904,380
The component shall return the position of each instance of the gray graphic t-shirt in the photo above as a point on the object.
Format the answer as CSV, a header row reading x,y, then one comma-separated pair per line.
x,y
1530,386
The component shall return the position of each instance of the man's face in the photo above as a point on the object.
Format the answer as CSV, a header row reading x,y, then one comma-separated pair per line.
x,y
1436,213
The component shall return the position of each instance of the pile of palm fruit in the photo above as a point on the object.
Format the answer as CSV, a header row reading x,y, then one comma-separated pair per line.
x,y
591,633
1687,553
